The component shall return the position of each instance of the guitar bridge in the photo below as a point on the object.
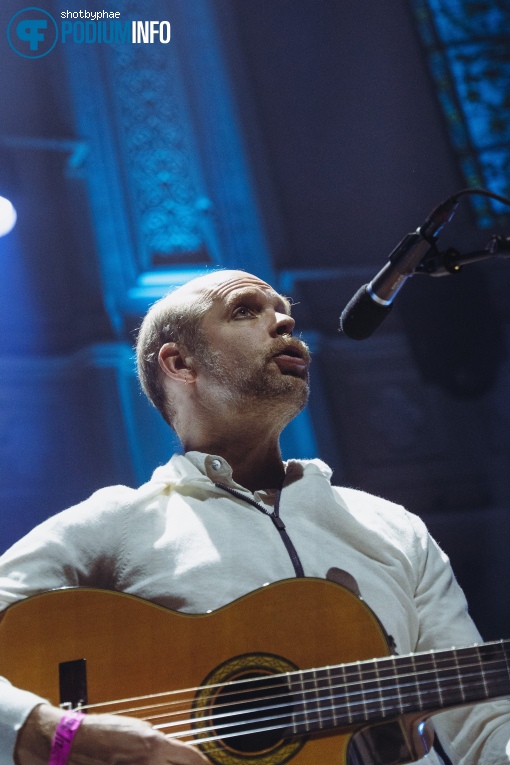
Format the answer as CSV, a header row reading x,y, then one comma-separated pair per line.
x,y
73,684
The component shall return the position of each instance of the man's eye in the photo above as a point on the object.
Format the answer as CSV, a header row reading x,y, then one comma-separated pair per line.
x,y
242,311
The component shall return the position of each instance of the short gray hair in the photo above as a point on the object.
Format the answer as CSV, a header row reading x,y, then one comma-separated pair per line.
x,y
169,320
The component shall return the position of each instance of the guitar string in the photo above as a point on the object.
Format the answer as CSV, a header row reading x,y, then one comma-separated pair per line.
x,y
309,676
325,685
363,704
359,666
200,740
364,701
313,692
283,727
321,719
349,706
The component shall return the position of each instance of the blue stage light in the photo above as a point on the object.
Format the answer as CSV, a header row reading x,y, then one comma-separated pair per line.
x,y
8,216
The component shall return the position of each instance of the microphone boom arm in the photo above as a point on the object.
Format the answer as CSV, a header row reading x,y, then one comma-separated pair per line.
x,y
436,263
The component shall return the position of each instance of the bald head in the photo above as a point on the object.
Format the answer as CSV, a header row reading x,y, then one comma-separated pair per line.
x,y
176,318
204,286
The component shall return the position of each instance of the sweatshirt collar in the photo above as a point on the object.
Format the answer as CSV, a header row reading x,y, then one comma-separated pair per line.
x,y
200,468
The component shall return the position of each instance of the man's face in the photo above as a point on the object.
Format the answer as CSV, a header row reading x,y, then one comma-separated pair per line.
x,y
248,351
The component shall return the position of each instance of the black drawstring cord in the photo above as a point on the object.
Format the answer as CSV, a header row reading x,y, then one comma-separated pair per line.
x,y
275,517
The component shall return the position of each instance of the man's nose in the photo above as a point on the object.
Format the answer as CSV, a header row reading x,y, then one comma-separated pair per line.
x,y
284,324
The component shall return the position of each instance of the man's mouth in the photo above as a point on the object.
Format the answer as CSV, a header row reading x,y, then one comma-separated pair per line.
x,y
292,360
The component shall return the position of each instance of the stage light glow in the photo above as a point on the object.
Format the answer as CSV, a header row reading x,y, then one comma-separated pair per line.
x,y
8,216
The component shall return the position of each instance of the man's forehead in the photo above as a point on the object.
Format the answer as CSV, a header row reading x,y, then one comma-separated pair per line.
x,y
227,289
221,281
223,286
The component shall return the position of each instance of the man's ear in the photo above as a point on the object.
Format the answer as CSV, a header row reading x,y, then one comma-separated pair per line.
x,y
175,363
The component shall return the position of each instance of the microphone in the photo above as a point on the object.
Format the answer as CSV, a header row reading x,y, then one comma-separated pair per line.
x,y
374,301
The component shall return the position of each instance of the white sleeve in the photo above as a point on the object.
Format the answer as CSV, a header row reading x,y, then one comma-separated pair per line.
x,y
76,547
476,735
15,706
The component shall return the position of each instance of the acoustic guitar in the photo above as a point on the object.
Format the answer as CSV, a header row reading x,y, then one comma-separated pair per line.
x,y
298,671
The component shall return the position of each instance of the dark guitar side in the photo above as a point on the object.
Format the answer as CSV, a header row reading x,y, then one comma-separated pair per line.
x,y
134,648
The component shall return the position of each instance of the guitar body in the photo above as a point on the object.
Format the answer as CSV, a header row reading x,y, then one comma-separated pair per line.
x,y
133,648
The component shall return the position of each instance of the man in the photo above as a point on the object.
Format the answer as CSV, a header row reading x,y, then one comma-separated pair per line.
x,y
218,359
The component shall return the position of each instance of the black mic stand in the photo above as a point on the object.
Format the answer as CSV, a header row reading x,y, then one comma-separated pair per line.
x,y
436,263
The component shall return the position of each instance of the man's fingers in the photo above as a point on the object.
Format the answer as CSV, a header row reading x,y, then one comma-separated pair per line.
x,y
117,740
182,754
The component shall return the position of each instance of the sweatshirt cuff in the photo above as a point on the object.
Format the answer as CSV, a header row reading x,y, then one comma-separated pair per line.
x,y
15,706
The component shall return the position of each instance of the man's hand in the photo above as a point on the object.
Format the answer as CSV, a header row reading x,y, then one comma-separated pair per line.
x,y
102,740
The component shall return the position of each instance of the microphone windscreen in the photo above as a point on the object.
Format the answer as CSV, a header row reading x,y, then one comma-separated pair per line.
x,y
362,315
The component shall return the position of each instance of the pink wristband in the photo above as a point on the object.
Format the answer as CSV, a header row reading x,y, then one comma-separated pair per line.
x,y
64,735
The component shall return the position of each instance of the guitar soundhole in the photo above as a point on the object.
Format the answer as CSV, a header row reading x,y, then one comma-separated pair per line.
x,y
252,715
243,712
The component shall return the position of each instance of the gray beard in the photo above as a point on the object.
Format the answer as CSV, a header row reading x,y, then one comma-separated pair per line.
x,y
254,386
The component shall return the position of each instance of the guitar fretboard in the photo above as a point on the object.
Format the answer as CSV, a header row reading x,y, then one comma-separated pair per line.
x,y
379,689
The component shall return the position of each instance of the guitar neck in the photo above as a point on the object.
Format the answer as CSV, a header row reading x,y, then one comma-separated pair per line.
x,y
381,689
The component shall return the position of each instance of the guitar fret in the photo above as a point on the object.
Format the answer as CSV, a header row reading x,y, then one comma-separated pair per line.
x,y
304,702
346,698
317,702
333,701
434,664
295,683
379,687
362,691
482,671
397,686
459,675
418,693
